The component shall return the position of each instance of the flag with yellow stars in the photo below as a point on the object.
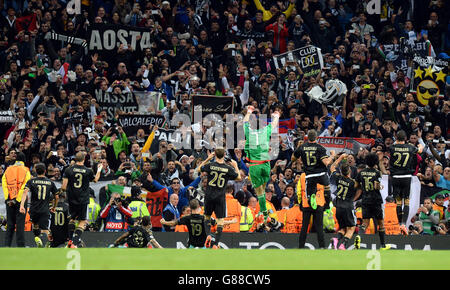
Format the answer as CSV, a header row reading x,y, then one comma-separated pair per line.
x,y
428,78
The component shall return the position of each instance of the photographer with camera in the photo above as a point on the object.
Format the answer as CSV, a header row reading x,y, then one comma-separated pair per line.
x,y
416,229
428,216
116,214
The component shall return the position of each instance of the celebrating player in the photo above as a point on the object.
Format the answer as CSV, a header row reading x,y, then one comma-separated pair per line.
x,y
76,181
219,173
41,190
257,144
346,194
315,161
139,236
402,165
372,202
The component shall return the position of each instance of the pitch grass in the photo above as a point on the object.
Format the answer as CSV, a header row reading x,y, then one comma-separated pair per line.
x,y
207,259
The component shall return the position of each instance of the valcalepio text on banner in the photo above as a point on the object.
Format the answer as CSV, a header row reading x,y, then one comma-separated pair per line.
x,y
108,37
345,144
220,105
428,79
309,58
132,122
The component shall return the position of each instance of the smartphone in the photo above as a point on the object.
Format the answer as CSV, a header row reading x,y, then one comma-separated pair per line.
x,y
54,153
166,51
232,45
155,12
424,32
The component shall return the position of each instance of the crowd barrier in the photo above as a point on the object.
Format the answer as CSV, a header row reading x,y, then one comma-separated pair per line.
x,y
263,241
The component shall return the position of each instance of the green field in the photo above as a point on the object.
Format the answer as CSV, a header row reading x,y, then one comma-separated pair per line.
x,y
207,259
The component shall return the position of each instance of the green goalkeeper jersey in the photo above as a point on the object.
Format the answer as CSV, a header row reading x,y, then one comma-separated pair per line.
x,y
257,142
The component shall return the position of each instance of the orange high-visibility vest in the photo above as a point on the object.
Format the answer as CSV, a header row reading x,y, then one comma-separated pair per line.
x,y
294,217
281,217
440,209
390,219
255,221
233,212
335,219
301,190
181,229
14,180
28,223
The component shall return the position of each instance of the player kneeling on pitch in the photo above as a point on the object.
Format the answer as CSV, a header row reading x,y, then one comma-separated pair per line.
x,y
139,236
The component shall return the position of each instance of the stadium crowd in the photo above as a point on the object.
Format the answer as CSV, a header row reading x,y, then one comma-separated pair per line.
x,y
222,48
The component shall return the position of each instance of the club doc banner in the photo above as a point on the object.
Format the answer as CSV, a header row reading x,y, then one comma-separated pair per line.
x,y
309,58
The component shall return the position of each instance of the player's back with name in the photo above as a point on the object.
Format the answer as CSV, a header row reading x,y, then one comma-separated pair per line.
x,y
311,155
218,176
42,191
79,178
402,159
196,228
345,190
60,221
367,178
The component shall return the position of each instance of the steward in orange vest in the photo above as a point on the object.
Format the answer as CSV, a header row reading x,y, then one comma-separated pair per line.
x,y
233,212
294,220
391,224
13,182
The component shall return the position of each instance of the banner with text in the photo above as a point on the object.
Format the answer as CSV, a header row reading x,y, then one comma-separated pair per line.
x,y
395,52
309,58
131,123
7,117
125,102
428,79
220,105
171,136
345,144
108,37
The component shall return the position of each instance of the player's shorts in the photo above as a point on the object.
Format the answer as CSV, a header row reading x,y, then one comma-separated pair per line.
x,y
259,174
346,217
375,211
401,187
42,219
312,180
57,243
218,205
79,212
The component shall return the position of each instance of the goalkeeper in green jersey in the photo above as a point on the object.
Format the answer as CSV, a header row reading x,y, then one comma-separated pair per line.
x,y
257,144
